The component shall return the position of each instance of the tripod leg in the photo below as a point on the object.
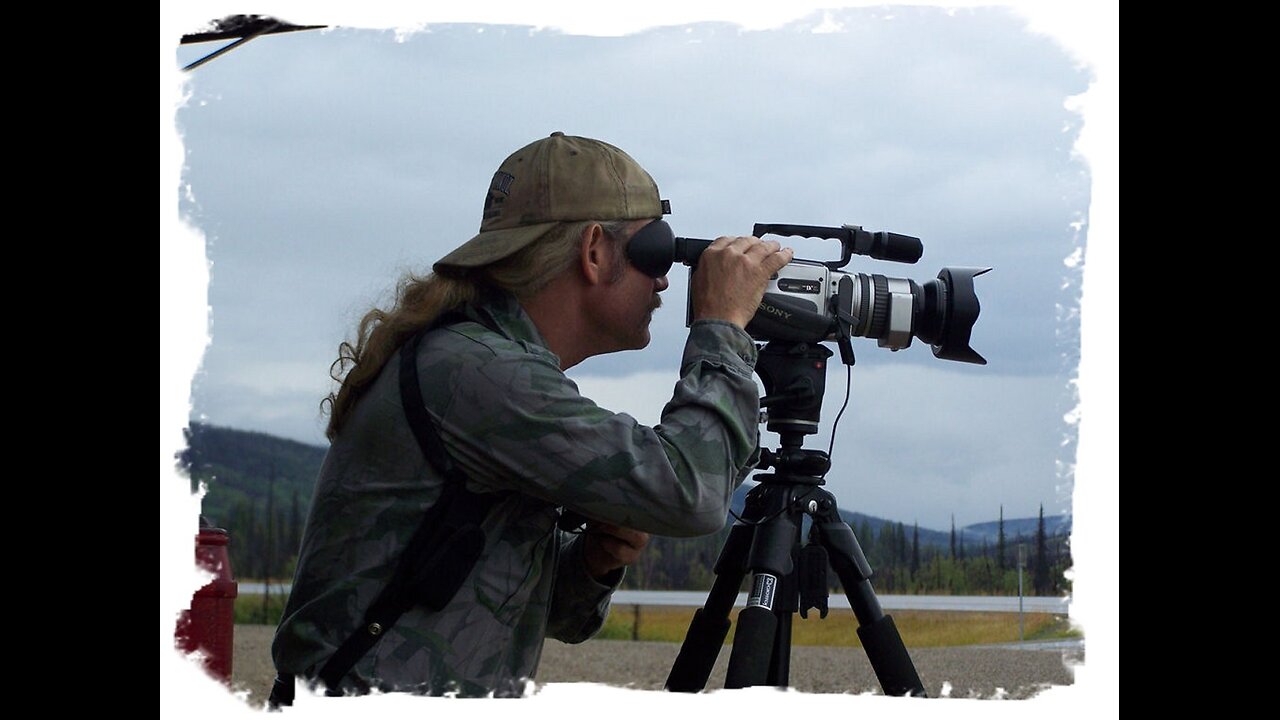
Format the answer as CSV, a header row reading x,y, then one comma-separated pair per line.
x,y
710,623
780,666
758,640
880,638
762,646
754,640
889,658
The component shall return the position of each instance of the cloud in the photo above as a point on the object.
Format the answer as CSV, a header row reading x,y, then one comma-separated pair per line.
x,y
916,443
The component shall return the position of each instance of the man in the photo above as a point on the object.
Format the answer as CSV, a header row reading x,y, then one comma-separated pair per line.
x,y
490,440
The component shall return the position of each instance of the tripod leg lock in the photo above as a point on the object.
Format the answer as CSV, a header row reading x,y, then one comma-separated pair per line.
x,y
846,554
813,580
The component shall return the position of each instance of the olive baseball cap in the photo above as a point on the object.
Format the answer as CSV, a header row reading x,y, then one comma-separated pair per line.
x,y
557,179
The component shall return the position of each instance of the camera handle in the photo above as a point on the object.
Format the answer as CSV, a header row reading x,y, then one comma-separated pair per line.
x,y
766,543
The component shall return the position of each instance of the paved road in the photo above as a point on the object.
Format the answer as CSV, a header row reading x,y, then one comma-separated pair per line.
x,y
975,603
1009,671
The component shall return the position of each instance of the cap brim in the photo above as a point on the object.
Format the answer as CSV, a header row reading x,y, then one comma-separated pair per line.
x,y
492,246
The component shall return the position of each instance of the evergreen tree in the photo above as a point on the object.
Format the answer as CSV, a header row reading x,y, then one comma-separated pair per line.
x,y
293,531
915,550
283,553
1000,542
269,545
953,536
244,538
865,536
960,548
888,545
986,566
982,570
1041,581
902,544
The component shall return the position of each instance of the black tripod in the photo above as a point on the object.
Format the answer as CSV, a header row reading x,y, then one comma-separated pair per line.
x,y
766,543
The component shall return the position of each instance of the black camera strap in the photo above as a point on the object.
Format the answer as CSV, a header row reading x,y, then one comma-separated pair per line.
x,y
440,554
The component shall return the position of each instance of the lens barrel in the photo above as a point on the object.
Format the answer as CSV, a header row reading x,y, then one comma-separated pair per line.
x,y
940,312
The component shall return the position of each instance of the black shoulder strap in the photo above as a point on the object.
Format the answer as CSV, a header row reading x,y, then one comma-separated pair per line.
x,y
443,549
411,398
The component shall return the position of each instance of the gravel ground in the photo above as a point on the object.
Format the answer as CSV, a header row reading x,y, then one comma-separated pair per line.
x,y
982,672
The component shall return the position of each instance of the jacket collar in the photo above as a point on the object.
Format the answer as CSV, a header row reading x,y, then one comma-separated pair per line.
x,y
499,311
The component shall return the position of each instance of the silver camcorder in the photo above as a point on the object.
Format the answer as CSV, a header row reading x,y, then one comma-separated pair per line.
x,y
815,301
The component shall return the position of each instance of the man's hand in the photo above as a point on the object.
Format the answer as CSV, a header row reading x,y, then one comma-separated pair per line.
x,y
609,547
732,275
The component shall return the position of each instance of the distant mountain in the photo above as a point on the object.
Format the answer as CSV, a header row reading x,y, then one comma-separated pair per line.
x,y
855,520
239,466
972,534
1013,527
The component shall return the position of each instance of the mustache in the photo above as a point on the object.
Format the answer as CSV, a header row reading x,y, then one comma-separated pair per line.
x,y
657,302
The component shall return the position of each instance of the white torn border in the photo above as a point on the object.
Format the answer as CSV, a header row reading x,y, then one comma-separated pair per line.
x,y
1088,29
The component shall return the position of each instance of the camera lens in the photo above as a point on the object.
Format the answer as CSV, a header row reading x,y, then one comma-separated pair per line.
x,y
941,312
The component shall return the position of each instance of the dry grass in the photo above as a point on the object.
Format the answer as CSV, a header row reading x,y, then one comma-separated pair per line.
x,y
839,629
919,628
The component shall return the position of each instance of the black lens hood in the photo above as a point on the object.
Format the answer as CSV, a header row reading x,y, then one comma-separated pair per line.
x,y
961,308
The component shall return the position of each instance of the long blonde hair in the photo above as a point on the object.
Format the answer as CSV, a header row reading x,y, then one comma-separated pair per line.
x,y
419,300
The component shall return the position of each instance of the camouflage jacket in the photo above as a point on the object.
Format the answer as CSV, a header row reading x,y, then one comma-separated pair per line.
x,y
512,421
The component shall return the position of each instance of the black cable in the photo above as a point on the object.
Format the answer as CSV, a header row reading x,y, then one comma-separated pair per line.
x,y
761,521
764,520
848,382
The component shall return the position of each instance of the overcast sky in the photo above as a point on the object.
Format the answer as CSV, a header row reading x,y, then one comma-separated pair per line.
x,y
322,165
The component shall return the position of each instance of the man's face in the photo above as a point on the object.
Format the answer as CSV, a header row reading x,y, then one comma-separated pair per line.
x,y
629,300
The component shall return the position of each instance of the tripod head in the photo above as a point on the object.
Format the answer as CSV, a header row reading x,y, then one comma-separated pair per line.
x,y
795,378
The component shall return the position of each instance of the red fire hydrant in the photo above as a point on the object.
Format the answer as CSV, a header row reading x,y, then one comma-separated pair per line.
x,y
208,625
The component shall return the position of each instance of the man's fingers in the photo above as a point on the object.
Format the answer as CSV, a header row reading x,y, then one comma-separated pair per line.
x,y
764,248
733,275
722,242
620,549
778,260
752,247
631,538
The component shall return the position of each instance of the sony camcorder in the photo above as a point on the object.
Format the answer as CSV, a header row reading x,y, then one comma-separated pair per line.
x,y
814,301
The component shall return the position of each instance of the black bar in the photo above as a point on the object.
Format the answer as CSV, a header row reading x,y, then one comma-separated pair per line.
x,y
688,250
220,51
816,231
